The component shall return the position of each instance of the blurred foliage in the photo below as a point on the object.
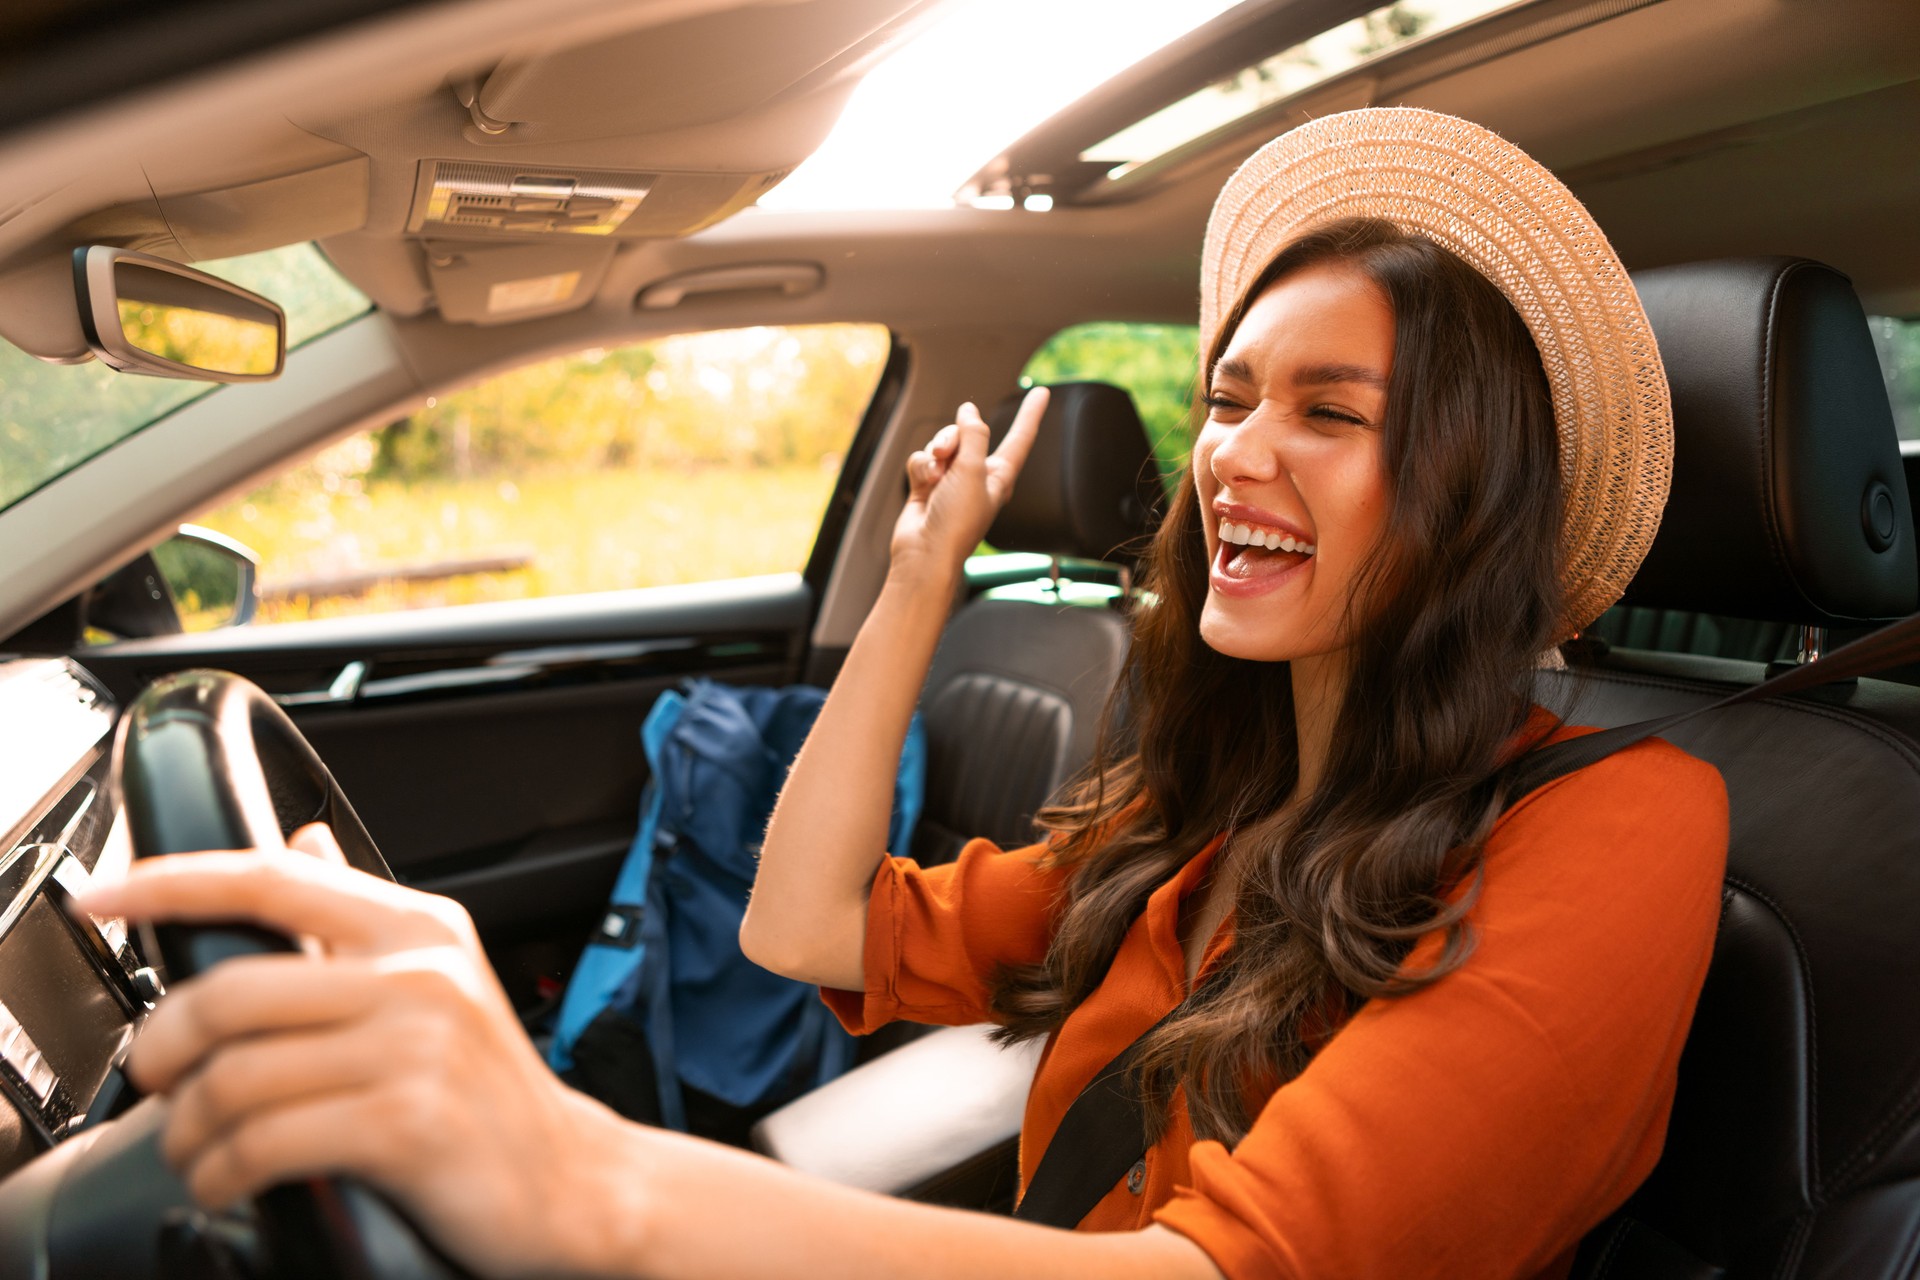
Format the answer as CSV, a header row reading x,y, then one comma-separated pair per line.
x,y
1156,363
687,459
53,417
1898,345
201,339
205,582
761,397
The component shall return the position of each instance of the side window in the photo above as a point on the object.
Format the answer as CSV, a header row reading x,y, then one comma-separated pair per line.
x,y
684,459
1156,363
1897,343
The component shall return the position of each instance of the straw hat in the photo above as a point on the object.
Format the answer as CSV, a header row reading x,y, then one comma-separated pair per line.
x,y
1504,214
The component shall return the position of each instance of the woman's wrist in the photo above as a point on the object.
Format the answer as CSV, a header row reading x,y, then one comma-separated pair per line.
x,y
604,1209
922,582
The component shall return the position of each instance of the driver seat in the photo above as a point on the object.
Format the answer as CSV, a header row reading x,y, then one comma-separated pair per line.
x,y
1794,1143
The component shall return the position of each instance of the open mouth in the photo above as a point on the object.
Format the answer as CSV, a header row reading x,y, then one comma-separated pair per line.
x,y
1248,551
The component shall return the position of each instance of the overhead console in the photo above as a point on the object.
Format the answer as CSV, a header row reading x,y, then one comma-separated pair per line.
x,y
524,178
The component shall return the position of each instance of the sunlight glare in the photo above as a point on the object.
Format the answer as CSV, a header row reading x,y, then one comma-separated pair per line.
x,y
927,118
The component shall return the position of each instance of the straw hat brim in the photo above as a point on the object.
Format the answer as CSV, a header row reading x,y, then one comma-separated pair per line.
x,y
1503,213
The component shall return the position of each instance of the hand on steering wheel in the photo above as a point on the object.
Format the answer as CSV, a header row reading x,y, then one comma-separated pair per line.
x,y
387,1050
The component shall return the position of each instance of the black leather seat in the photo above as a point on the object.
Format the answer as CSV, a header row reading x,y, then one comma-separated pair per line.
x,y
1013,700
1794,1148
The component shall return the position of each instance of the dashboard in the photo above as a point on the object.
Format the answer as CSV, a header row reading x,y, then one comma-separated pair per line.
x,y
71,988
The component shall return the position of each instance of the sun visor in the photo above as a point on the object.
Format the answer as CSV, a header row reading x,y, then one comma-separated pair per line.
x,y
697,71
500,283
323,201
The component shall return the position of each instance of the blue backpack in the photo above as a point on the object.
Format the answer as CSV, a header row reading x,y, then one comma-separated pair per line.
x,y
662,995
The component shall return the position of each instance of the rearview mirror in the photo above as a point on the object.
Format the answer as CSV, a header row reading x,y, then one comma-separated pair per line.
x,y
143,314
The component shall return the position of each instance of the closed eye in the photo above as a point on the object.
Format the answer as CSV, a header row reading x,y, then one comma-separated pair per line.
x,y
1337,415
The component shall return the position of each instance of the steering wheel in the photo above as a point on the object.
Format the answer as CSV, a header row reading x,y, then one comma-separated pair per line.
x,y
206,760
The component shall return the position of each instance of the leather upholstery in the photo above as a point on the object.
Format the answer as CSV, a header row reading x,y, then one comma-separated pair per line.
x,y
1799,1084
1011,706
1090,488
1789,498
1794,1146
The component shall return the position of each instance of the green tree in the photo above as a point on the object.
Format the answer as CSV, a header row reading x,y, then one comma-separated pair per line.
x,y
1156,363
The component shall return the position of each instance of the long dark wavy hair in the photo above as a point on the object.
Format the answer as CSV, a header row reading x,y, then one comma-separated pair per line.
x,y
1445,635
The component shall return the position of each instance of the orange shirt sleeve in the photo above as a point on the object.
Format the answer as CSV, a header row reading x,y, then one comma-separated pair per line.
x,y
935,935
1481,1126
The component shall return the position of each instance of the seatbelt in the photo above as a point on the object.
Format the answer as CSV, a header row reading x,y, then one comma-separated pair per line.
x,y
1103,1134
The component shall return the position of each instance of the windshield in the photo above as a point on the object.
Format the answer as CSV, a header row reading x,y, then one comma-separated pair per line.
x,y
53,417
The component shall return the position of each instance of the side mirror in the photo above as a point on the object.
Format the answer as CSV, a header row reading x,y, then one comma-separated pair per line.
x,y
143,314
211,578
197,580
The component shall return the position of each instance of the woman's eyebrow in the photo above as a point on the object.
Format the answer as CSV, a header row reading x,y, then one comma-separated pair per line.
x,y
1232,367
1319,375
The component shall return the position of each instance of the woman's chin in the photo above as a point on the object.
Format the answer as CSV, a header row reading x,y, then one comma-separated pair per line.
x,y
1228,630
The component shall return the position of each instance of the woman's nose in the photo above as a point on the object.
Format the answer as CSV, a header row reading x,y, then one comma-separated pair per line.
x,y
1246,454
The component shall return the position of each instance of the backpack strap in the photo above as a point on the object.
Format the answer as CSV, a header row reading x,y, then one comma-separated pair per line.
x,y
1103,1134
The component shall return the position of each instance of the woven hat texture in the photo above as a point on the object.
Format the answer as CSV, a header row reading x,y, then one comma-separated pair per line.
x,y
1503,213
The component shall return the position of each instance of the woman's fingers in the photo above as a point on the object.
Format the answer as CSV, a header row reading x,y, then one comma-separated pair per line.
x,y
296,894
264,1072
1011,456
316,840
249,996
321,1134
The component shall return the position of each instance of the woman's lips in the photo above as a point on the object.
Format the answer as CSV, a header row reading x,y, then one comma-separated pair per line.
x,y
1240,576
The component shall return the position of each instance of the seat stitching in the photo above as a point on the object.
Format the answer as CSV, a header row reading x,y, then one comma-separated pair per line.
x,y
1603,1265
1901,1112
1796,1246
1803,967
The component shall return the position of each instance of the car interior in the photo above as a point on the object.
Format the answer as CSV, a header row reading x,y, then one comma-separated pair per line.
x,y
507,184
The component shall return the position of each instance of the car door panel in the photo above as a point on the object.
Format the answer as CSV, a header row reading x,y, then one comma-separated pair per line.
x,y
493,750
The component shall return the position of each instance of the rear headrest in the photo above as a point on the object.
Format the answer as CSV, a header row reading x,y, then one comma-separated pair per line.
x,y
1789,502
1090,488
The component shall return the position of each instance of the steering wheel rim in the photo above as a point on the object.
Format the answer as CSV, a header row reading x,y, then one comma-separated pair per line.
x,y
206,760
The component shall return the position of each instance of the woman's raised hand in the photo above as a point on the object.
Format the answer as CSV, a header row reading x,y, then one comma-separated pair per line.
x,y
957,487
387,1051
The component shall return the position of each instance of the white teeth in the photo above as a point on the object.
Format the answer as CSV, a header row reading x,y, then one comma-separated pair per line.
x,y
1244,534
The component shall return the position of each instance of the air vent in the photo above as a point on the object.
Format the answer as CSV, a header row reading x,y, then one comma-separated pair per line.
x,y
525,202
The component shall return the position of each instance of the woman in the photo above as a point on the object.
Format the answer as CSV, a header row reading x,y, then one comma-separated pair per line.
x,y
1423,1028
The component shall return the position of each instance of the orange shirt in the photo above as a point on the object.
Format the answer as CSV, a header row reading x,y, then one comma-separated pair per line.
x,y
1478,1127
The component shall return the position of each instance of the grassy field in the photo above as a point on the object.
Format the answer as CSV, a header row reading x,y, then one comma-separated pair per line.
x,y
596,531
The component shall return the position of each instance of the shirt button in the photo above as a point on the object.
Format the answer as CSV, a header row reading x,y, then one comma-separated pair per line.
x,y
1137,1176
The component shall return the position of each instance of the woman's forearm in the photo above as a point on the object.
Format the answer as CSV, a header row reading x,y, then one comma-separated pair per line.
x,y
807,917
688,1208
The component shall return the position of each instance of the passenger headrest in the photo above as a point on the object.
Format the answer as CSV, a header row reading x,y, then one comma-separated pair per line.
x,y
1789,502
1090,488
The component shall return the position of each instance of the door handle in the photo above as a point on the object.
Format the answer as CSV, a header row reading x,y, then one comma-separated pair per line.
x,y
344,688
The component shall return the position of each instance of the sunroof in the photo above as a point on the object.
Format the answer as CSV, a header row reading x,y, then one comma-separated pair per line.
x,y
1331,53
